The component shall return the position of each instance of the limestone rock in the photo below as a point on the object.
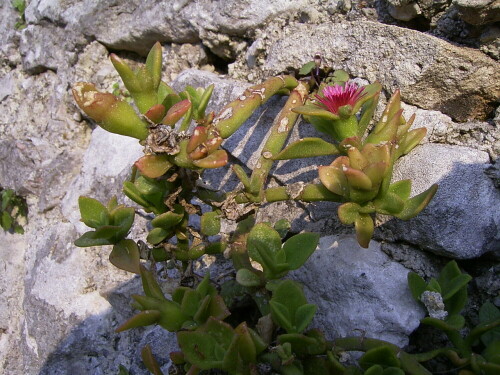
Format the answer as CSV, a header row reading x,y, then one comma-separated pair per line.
x,y
456,81
478,12
359,291
458,222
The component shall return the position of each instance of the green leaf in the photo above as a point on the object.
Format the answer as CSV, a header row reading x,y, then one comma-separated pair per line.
x,y
281,316
417,285
150,285
92,239
168,220
315,111
94,213
492,352
142,319
307,68
487,314
6,220
190,302
149,361
382,355
157,235
282,226
263,243
340,76
125,256
203,102
456,321
306,148
122,217
210,223
401,188
122,370
374,370
299,248
454,285
247,278
303,316
349,212
364,229
414,205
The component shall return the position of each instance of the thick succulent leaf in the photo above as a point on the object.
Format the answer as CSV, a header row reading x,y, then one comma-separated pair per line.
x,y
401,188
281,316
392,106
369,91
303,316
150,285
489,313
454,285
153,166
216,159
299,248
412,139
367,112
175,112
387,133
306,148
349,212
190,302
92,239
390,204
168,219
142,319
456,321
307,68
247,278
382,355
377,153
316,111
210,223
125,256
154,64
203,102
290,295
364,229
149,361
263,243
414,205
333,179
201,349
417,285
200,134
357,179
94,213
157,235
123,217
376,172
246,346
156,113
170,98
356,158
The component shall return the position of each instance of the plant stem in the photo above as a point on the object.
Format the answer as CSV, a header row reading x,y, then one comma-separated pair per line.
x,y
233,115
281,128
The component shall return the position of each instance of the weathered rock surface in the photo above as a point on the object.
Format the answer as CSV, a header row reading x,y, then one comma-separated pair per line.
x,y
456,81
458,222
362,291
60,304
478,12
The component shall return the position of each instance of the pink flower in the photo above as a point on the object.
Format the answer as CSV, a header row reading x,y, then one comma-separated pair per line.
x,y
337,96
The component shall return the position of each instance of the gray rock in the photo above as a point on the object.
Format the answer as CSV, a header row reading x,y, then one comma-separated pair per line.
x,y
459,221
456,81
11,292
403,10
478,12
490,41
362,291
101,177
